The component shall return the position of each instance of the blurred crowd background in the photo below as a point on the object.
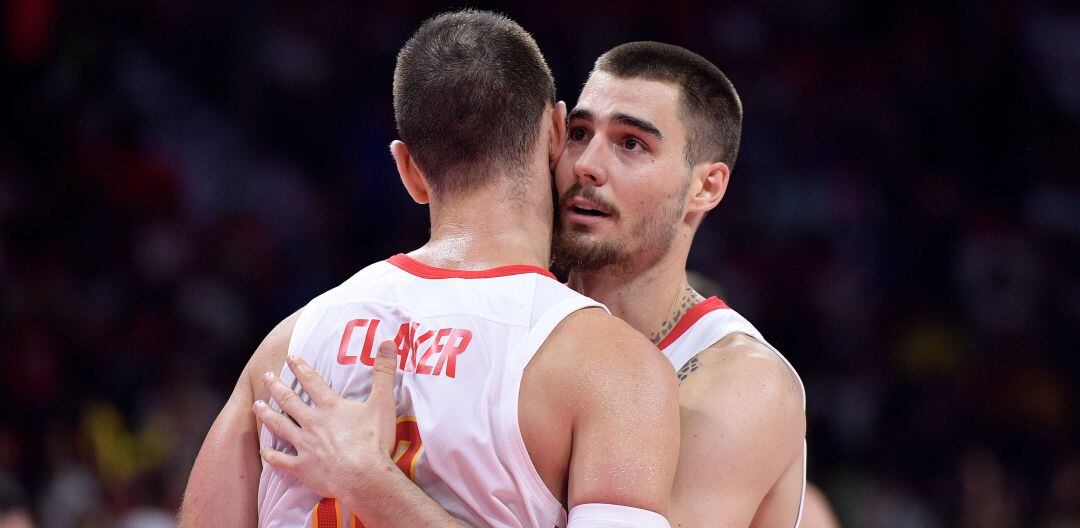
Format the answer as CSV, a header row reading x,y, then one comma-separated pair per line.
x,y
903,223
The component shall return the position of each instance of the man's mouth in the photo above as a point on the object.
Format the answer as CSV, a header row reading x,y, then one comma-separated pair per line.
x,y
586,211
589,212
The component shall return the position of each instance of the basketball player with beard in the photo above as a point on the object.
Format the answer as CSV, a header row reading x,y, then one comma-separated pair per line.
x,y
650,148
520,403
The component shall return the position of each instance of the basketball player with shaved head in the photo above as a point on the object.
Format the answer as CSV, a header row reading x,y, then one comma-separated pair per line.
x,y
519,402
650,148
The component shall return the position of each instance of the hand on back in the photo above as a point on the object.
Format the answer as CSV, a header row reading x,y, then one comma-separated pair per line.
x,y
338,442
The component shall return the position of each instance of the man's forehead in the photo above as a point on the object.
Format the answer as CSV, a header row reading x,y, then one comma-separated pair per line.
x,y
605,95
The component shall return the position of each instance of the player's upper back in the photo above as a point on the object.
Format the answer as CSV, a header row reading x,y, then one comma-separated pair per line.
x,y
464,339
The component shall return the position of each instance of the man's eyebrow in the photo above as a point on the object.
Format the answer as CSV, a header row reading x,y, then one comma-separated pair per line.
x,y
579,113
637,122
620,118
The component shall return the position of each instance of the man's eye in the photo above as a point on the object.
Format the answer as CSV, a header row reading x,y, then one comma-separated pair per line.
x,y
631,144
577,134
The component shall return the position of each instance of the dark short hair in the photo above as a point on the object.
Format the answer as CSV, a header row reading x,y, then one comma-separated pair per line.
x,y
470,88
711,109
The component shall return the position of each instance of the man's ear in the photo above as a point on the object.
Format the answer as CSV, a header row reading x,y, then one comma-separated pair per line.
x,y
557,139
710,181
410,173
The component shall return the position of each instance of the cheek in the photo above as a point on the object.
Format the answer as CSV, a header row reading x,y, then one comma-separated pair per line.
x,y
564,171
643,189
647,195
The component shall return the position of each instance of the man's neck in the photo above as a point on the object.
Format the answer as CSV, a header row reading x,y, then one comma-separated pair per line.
x,y
651,299
484,229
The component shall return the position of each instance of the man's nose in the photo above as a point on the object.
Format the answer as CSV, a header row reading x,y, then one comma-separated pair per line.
x,y
591,166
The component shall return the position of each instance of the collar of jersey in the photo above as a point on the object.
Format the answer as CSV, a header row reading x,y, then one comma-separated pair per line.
x,y
689,318
422,270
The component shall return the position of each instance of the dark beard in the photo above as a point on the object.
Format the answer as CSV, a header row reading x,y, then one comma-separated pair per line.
x,y
572,252
575,251
569,248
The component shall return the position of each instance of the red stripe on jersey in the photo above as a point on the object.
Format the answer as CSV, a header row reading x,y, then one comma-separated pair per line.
x,y
424,271
326,513
689,318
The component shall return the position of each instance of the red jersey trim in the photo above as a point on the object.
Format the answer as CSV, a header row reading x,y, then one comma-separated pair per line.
x,y
689,318
422,270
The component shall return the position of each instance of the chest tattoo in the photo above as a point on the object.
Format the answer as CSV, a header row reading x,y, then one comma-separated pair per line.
x,y
689,368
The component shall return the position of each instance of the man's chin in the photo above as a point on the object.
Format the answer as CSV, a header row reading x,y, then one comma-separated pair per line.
x,y
584,251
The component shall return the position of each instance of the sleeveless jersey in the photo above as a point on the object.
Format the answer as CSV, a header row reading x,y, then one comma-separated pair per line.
x,y
464,339
703,326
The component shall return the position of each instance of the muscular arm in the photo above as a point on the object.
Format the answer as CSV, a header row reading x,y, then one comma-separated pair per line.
x,y
742,429
224,483
396,501
626,436
618,394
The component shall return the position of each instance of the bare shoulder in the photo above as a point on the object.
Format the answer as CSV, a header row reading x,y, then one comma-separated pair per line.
x,y
596,338
270,355
592,358
741,369
624,417
743,427
223,487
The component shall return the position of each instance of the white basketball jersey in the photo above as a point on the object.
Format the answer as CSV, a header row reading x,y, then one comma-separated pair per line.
x,y
464,339
703,326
